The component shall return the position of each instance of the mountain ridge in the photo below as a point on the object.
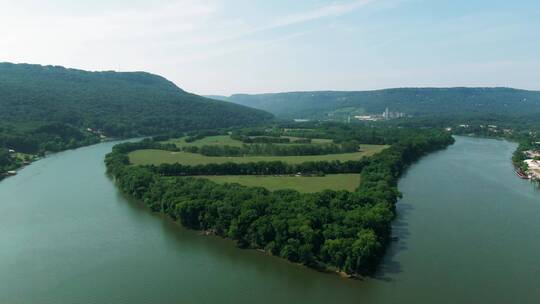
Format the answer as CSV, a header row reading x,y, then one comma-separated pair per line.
x,y
52,107
419,101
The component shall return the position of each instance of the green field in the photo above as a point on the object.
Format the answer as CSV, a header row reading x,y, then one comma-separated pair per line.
x,y
156,157
347,182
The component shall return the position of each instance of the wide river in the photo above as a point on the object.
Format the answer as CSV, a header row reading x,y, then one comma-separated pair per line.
x,y
468,228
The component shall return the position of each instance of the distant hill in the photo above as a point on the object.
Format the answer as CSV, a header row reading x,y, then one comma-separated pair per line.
x,y
118,102
417,102
57,105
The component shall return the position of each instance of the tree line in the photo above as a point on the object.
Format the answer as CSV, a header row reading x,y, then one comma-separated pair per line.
x,y
262,168
263,139
51,137
269,149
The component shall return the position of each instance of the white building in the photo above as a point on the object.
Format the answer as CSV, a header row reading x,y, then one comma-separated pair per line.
x,y
533,164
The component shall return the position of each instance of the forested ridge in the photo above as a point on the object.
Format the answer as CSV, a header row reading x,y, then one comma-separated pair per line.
x,y
340,230
51,108
121,104
444,103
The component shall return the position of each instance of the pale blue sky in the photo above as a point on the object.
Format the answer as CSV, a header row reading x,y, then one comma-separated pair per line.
x,y
241,46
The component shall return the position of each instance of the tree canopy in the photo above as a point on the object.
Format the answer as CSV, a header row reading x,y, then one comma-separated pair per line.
x,y
444,103
53,108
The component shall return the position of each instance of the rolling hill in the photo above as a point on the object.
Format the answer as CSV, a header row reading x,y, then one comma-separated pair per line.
x,y
53,108
415,102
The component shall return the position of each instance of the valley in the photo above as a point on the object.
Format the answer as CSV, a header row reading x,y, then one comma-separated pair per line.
x,y
212,151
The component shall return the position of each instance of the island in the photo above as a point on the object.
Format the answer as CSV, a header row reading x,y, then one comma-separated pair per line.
x,y
248,185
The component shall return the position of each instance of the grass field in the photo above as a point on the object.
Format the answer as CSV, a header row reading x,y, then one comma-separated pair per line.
x,y
156,157
347,182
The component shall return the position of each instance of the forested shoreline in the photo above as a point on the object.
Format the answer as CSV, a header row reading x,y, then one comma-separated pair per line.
x,y
20,146
525,143
339,230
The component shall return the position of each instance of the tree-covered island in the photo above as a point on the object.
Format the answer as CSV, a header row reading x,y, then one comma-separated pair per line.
x,y
345,231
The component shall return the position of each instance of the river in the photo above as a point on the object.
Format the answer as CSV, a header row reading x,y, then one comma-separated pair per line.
x,y
468,233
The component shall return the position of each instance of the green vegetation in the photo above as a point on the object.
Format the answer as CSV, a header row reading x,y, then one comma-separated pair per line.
x,y
120,104
427,105
526,143
271,149
45,137
224,140
343,230
301,184
6,160
241,145
311,140
227,140
50,108
10,161
157,157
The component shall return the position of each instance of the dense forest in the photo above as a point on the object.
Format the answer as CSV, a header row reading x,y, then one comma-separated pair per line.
x,y
339,230
120,104
5,160
442,103
45,137
51,108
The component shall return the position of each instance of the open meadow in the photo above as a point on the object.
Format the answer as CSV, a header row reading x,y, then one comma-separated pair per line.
x,y
304,184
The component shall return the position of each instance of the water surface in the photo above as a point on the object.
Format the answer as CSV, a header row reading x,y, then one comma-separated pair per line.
x,y
468,232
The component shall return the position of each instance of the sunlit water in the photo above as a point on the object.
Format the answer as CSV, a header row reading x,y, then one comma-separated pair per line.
x,y
468,232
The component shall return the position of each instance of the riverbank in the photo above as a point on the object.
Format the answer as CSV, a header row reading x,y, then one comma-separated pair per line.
x,y
21,160
526,159
316,267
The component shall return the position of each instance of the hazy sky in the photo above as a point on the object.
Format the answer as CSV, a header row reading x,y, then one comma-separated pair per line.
x,y
251,46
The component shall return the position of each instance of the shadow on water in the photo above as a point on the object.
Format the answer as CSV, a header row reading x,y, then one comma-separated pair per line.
x,y
390,265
